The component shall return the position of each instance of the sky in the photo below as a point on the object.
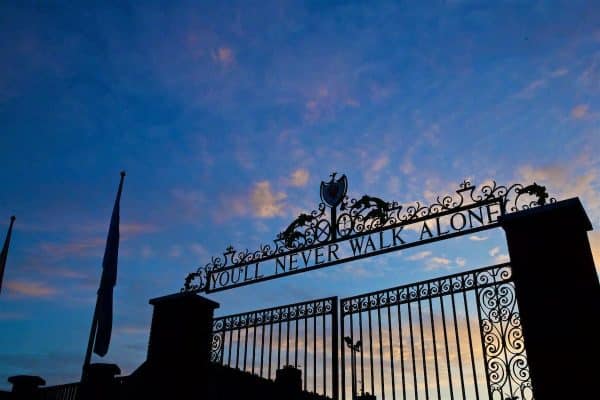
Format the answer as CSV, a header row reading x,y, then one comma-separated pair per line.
x,y
228,115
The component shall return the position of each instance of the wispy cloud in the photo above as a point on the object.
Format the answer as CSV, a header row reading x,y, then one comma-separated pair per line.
x,y
30,288
189,202
379,163
136,228
299,177
531,89
224,56
477,238
76,247
265,202
579,111
494,251
419,256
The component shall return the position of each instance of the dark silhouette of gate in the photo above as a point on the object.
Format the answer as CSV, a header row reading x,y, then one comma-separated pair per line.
x,y
302,335
461,336
456,337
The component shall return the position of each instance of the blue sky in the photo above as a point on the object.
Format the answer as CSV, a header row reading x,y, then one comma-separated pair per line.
x,y
227,116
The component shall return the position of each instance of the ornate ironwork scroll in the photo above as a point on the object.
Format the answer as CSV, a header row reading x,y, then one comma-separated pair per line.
x,y
503,343
350,217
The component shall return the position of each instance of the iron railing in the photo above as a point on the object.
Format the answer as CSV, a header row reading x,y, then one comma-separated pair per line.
x,y
456,337
303,335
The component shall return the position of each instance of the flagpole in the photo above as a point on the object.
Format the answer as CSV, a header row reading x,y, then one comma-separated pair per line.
x,y
93,329
4,253
88,352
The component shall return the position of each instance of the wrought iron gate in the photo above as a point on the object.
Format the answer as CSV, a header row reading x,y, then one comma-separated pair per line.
x,y
456,337
303,335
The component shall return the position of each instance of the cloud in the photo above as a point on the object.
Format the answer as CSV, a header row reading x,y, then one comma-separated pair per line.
x,y
495,251
419,256
30,289
266,203
531,89
559,72
135,228
299,177
79,247
477,238
501,258
460,261
435,263
579,111
198,249
175,251
147,251
440,260
224,56
189,202
379,163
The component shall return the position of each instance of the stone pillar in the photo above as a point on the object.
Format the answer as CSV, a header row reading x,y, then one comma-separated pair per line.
x,y
558,293
26,387
179,345
100,382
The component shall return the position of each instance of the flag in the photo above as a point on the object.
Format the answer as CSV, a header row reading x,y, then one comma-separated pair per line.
x,y
104,302
4,253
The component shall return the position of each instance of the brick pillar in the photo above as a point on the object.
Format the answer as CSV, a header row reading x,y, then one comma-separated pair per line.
x,y
558,293
179,346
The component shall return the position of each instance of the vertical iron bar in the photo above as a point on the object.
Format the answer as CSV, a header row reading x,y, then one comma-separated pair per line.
x,y
451,386
401,348
470,344
342,349
362,364
380,352
460,366
352,370
437,371
246,344
287,347
371,350
279,343
305,345
254,344
230,344
423,345
389,315
270,342
237,349
223,349
262,346
315,351
324,355
334,348
296,346
412,348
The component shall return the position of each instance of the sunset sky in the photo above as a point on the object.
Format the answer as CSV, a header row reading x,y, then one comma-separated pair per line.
x,y
227,116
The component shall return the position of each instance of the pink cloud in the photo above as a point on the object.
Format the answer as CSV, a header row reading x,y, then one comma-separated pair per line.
x,y
136,228
224,56
579,111
299,177
265,202
30,289
80,247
